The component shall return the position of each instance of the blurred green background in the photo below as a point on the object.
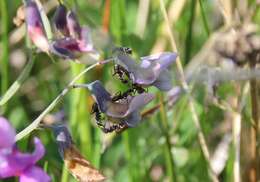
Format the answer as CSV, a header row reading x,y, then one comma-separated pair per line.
x,y
164,147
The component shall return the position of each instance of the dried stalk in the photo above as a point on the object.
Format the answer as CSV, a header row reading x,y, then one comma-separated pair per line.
x,y
185,86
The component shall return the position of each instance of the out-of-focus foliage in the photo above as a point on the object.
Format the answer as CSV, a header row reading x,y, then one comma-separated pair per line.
x,y
140,153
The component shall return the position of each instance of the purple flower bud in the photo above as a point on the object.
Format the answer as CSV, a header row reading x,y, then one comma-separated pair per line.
x,y
127,110
35,26
15,163
153,70
60,20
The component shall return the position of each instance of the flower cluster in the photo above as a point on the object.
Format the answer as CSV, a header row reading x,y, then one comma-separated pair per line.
x,y
15,163
74,40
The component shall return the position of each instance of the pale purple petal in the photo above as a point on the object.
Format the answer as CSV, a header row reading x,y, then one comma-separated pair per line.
x,y
73,25
173,95
166,59
164,81
34,174
126,61
7,138
101,95
133,119
35,26
85,41
139,102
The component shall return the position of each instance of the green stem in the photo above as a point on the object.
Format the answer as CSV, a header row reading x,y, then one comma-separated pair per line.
x,y
17,84
204,18
168,153
5,57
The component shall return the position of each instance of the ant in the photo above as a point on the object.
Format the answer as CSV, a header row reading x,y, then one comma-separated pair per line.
x,y
125,50
103,126
121,72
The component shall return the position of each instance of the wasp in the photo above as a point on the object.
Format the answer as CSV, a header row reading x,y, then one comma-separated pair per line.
x,y
123,95
138,88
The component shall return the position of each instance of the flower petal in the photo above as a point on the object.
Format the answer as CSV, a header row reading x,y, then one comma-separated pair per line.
x,y
164,81
7,138
73,25
60,20
34,174
63,138
66,48
101,95
126,61
139,101
35,26
85,42
133,119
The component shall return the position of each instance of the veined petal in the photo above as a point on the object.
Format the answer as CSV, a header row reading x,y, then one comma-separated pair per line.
x,y
133,119
35,26
7,138
34,174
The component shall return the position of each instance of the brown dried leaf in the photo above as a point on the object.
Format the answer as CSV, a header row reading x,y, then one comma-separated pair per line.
x,y
79,167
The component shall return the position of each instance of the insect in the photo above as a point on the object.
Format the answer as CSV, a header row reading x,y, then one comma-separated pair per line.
x,y
106,127
122,73
95,110
125,50
138,88
123,95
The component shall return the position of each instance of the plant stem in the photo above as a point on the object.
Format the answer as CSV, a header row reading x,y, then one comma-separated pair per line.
x,y
185,86
37,121
168,153
17,84
255,107
5,51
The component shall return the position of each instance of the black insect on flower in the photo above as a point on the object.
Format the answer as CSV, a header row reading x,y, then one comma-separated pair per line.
x,y
123,111
152,71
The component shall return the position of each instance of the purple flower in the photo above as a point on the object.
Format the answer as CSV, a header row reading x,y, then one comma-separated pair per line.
x,y
77,39
60,20
125,110
15,163
153,69
35,26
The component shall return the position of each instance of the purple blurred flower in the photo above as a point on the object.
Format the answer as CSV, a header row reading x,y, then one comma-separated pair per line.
x,y
151,71
125,110
15,163
77,39
35,26
60,20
